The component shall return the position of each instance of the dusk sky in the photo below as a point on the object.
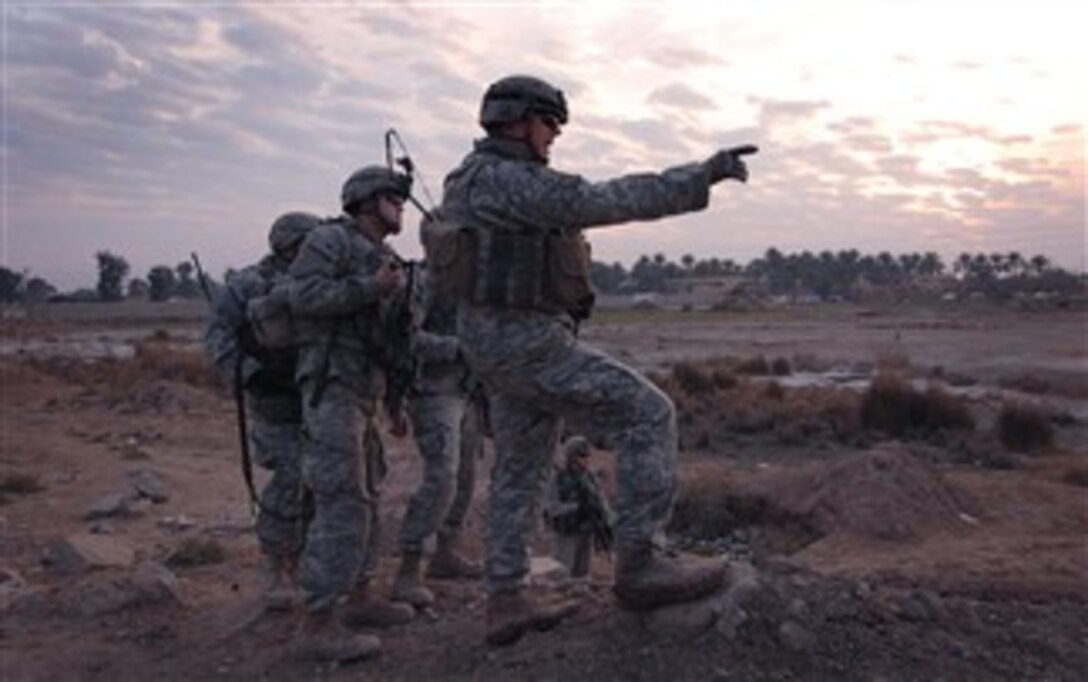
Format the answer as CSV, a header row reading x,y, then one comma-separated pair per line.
x,y
152,129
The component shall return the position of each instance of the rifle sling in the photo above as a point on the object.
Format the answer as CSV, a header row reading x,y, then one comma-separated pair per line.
x,y
243,434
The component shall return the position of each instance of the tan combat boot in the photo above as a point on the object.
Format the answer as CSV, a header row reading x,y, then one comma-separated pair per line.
x,y
448,563
322,638
512,613
364,608
646,581
408,585
279,593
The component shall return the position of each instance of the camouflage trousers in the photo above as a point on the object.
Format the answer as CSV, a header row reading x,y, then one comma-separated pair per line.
x,y
448,434
537,375
573,551
343,464
275,436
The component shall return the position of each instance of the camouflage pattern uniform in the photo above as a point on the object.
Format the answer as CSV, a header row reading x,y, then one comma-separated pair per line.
x,y
273,403
445,422
340,322
535,369
574,500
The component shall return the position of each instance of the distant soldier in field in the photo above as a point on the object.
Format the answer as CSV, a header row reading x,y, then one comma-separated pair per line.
x,y
342,282
266,378
446,422
512,245
577,510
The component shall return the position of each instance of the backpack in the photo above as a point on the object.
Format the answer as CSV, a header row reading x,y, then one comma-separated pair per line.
x,y
271,320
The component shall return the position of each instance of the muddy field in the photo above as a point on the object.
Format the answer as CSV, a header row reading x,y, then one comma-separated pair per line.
x,y
902,494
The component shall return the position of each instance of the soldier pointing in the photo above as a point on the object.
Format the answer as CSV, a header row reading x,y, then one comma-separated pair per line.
x,y
513,249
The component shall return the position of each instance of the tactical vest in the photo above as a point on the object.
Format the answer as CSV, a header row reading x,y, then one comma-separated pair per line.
x,y
509,269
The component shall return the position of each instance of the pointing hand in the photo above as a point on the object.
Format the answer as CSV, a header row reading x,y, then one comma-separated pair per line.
x,y
727,163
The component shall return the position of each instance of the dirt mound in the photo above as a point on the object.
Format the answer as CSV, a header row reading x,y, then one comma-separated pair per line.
x,y
886,493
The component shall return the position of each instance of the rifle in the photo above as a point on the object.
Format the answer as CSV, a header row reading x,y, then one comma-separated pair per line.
x,y
589,509
400,363
589,501
203,279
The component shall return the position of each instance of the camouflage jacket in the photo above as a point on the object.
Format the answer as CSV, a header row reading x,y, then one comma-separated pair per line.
x,y
576,503
226,338
500,186
337,307
434,339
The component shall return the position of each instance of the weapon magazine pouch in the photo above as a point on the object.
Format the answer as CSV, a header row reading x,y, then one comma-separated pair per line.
x,y
271,319
567,282
451,253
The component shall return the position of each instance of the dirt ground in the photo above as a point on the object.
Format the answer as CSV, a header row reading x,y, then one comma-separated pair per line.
x,y
879,560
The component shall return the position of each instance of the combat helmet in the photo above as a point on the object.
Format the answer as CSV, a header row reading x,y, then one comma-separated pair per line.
x,y
367,183
289,230
575,446
513,98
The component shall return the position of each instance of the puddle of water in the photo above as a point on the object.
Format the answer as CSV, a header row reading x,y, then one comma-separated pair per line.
x,y
81,349
85,345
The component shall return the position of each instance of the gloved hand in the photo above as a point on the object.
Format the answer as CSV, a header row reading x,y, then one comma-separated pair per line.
x,y
390,277
270,380
728,164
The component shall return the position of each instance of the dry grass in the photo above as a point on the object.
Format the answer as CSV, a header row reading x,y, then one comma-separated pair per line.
x,y
780,367
893,360
716,407
755,366
893,406
1028,383
1023,427
724,407
704,505
692,378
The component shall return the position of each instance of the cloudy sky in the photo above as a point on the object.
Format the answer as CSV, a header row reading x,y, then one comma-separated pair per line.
x,y
153,129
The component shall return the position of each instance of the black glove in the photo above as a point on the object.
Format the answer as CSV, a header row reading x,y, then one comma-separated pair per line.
x,y
728,164
270,380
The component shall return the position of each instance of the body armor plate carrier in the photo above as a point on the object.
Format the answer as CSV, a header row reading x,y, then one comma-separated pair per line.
x,y
508,269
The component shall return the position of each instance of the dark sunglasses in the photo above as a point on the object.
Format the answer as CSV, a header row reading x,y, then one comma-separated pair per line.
x,y
550,122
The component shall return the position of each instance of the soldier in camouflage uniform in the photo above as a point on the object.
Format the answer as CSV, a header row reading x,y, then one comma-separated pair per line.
x,y
272,401
448,433
342,282
577,510
516,326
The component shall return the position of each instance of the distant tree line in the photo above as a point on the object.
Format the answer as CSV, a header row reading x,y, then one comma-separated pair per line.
x,y
114,284
841,274
827,275
20,287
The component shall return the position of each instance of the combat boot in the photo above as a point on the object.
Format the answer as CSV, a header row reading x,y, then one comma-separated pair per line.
x,y
408,585
279,593
448,563
364,608
322,638
646,581
512,613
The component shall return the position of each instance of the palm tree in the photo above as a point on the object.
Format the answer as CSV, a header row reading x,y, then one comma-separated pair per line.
x,y
931,265
962,266
1039,264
